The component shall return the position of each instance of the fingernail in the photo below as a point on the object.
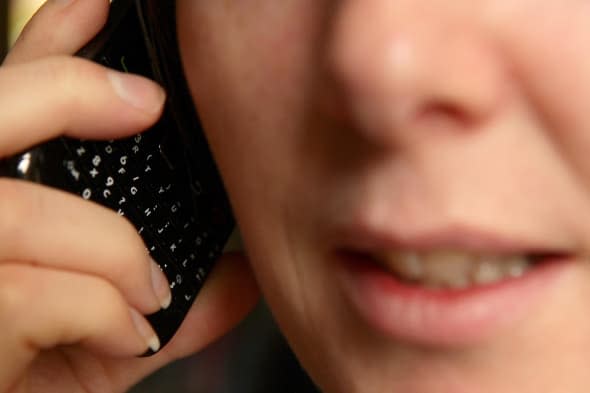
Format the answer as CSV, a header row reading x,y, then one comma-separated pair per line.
x,y
137,91
160,285
145,330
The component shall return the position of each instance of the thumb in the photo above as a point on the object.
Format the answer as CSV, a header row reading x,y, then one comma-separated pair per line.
x,y
229,294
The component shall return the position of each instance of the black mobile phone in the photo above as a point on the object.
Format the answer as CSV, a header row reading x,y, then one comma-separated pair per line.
x,y
163,180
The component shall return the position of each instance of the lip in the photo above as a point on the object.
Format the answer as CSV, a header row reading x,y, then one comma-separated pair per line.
x,y
442,317
454,237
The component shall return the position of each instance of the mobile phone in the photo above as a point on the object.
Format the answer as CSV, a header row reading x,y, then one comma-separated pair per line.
x,y
163,180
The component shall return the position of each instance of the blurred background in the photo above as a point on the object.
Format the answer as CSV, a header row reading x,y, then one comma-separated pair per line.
x,y
254,358
19,12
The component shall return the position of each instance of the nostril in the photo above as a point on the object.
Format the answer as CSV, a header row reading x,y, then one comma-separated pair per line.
x,y
443,112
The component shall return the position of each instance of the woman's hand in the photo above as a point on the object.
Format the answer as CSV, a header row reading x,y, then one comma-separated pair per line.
x,y
75,278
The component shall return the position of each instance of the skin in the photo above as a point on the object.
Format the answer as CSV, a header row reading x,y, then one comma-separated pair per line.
x,y
402,117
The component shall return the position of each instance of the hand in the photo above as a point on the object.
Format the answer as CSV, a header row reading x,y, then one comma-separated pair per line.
x,y
71,309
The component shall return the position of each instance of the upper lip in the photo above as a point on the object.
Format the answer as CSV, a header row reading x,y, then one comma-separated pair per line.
x,y
455,237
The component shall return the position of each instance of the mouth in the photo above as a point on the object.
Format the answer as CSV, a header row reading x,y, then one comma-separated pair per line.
x,y
445,296
456,269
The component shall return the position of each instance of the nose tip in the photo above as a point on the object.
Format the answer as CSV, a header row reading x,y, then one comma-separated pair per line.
x,y
400,68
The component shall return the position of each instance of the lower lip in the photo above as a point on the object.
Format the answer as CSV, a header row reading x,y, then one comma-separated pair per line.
x,y
443,317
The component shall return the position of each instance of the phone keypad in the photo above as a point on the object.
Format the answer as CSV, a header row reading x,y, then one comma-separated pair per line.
x,y
142,179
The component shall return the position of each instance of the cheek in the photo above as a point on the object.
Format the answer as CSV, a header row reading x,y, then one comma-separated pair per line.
x,y
247,65
250,85
548,45
226,79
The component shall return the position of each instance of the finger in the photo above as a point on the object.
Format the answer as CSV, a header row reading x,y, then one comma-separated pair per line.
x,y
229,294
48,97
42,308
59,27
58,230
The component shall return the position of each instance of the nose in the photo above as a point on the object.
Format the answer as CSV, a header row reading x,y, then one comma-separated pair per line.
x,y
403,64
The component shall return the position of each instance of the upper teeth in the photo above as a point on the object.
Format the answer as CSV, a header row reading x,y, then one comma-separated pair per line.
x,y
454,269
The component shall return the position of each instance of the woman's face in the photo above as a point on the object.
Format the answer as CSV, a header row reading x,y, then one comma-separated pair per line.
x,y
412,182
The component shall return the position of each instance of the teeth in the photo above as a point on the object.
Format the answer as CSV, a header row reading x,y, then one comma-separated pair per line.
x,y
410,265
454,269
488,271
516,267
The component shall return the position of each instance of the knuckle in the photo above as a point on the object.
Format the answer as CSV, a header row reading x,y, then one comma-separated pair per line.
x,y
16,291
68,73
65,75
18,208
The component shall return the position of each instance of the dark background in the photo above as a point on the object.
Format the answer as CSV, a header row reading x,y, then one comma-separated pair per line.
x,y
3,28
254,358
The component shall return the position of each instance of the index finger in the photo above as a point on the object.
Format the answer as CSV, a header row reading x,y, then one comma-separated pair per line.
x,y
62,95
